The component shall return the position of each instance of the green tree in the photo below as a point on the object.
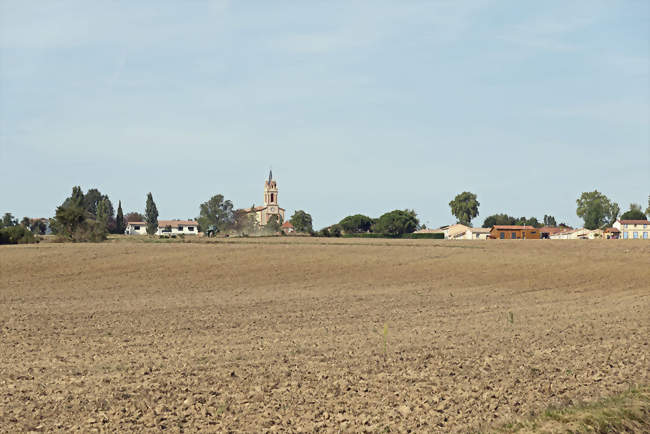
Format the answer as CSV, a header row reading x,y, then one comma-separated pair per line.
x,y
596,209
464,207
396,223
634,213
216,212
498,219
133,217
102,212
273,225
38,226
549,220
301,221
355,224
73,222
151,215
647,210
120,225
9,220
25,222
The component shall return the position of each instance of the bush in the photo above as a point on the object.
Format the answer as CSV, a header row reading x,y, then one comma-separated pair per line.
x,y
17,235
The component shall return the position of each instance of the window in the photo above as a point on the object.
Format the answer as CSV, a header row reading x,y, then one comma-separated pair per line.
x,y
502,235
190,228
180,228
635,235
645,235
625,235
514,235
645,226
137,228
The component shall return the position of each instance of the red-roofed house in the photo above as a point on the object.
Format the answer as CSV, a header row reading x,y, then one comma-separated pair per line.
x,y
512,232
287,228
633,229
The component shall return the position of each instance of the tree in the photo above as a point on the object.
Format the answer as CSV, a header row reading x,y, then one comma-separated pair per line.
x,y
25,222
396,223
596,209
498,219
273,225
356,224
634,213
38,226
216,212
74,223
549,220
133,217
120,225
9,220
16,234
102,212
464,207
647,210
151,215
301,221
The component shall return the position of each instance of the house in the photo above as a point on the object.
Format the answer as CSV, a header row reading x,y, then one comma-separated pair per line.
x,y
633,229
136,228
165,227
547,231
612,234
287,228
578,234
455,232
177,227
270,208
430,231
477,233
512,232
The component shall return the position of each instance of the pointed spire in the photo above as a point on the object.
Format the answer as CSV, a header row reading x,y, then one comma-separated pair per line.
x,y
270,175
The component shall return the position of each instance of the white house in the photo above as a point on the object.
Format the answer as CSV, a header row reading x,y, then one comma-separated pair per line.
x,y
165,227
136,228
578,234
633,229
177,227
477,233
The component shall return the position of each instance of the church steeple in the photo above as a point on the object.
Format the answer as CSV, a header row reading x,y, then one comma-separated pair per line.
x,y
270,191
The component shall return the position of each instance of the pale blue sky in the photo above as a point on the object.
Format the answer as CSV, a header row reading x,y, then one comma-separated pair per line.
x,y
359,107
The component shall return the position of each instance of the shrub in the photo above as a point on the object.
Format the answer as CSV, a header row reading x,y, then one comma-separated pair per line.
x,y
17,235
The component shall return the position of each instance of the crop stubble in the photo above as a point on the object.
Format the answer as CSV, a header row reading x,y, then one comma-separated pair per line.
x,y
288,334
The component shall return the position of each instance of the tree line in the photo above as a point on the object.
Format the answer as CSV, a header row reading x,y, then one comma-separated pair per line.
x,y
594,208
90,216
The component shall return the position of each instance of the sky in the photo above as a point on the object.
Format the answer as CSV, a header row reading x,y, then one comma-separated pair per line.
x,y
358,107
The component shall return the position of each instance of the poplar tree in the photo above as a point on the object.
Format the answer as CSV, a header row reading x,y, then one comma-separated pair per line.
x,y
119,220
151,215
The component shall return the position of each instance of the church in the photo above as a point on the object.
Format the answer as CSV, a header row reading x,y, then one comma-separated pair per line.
x,y
270,208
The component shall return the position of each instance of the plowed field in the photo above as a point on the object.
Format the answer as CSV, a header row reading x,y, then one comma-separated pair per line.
x,y
316,334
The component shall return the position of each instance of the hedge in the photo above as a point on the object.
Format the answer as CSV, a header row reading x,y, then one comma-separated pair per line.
x,y
428,236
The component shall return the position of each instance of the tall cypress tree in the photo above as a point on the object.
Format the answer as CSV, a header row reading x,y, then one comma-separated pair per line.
x,y
119,220
151,215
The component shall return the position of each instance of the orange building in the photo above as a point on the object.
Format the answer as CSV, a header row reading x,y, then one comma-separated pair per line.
x,y
509,232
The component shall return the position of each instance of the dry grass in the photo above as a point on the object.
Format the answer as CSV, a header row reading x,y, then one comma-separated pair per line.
x,y
288,334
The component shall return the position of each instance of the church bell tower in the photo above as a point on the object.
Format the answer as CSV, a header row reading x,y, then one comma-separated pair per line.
x,y
270,191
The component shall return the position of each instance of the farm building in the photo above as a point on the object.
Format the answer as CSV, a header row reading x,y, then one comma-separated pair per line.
x,y
633,229
510,232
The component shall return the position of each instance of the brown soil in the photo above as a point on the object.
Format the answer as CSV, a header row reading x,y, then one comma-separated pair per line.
x,y
288,334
